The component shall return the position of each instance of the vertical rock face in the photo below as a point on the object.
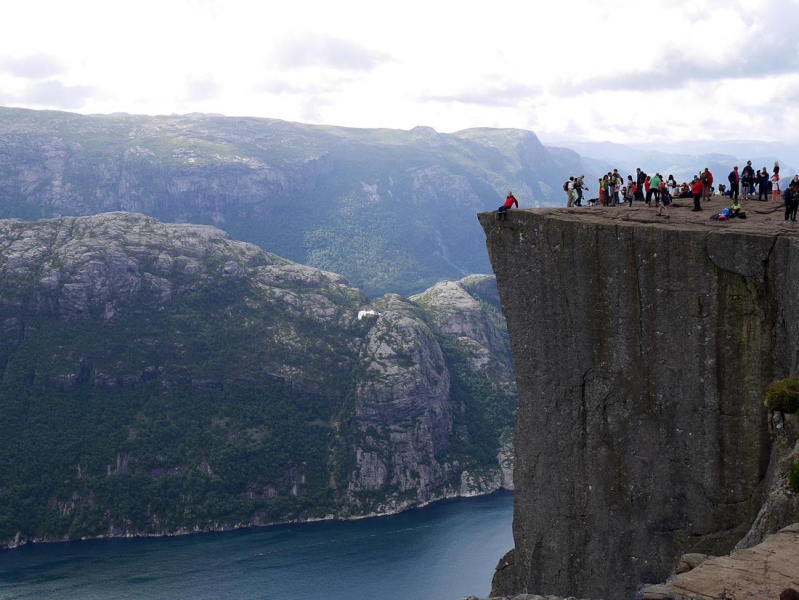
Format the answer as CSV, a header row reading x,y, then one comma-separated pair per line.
x,y
402,404
641,354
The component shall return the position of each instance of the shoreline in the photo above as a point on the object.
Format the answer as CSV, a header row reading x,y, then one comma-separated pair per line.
x,y
225,527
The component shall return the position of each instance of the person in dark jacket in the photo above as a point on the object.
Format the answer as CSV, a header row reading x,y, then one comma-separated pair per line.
x,y
734,180
762,184
791,197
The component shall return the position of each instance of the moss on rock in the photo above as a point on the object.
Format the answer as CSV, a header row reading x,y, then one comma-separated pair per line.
x,y
783,395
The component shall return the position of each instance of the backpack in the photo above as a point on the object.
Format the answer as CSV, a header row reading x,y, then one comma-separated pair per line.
x,y
566,187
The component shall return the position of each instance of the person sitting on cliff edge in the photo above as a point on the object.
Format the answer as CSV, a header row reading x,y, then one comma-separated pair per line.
x,y
502,211
736,210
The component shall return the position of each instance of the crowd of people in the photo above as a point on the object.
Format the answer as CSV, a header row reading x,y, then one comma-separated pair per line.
x,y
614,190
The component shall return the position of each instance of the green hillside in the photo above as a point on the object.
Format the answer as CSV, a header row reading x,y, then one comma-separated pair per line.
x,y
163,378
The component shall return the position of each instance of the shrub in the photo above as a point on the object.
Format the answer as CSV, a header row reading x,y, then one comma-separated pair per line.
x,y
783,395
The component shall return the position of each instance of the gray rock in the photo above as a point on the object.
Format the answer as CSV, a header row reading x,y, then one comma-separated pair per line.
x,y
642,352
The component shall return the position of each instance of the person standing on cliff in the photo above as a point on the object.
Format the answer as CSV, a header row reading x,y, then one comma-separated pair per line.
x,y
654,187
579,186
696,189
734,180
707,183
762,184
640,178
775,186
502,212
792,200
665,200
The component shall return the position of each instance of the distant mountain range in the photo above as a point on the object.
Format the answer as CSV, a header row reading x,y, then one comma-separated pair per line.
x,y
393,211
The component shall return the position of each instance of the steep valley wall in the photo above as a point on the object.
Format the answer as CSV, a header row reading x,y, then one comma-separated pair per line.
x,y
642,351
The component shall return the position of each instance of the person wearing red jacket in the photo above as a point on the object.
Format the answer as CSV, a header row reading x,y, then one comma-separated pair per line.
x,y
502,212
697,187
707,180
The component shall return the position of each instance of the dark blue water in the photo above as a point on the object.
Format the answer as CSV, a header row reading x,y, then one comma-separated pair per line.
x,y
441,552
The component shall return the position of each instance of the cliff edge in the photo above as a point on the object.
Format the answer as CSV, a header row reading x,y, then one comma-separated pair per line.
x,y
642,348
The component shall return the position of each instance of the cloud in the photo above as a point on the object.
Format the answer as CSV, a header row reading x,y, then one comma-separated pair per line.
x,y
53,93
34,66
282,86
505,94
768,49
316,51
202,89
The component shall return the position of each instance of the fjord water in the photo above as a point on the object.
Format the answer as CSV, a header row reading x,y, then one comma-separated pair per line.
x,y
440,552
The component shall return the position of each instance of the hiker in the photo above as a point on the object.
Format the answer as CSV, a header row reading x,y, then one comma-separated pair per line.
x,y
502,211
618,183
696,189
648,190
775,185
748,179
640,178
611,183
794,185
654,186
579,186
568,187
665,200
629,192
762,185
747,183
707,182
791,196
672,185
734,180
735,210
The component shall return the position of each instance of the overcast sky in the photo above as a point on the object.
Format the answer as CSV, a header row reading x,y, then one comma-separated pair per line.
x,y
618,70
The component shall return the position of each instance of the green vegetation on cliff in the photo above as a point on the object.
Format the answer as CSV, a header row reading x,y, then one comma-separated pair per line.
x,y
783,395
158,378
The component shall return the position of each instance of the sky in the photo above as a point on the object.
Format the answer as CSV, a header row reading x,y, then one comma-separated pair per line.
x,y
624,71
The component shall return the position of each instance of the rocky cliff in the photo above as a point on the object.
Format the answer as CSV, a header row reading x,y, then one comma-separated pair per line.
x,y
160,378
642,350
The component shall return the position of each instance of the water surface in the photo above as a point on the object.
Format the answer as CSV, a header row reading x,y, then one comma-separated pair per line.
x,y
441,552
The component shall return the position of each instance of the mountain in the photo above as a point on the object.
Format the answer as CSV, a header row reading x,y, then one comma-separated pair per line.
x,y
164,378
393,211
